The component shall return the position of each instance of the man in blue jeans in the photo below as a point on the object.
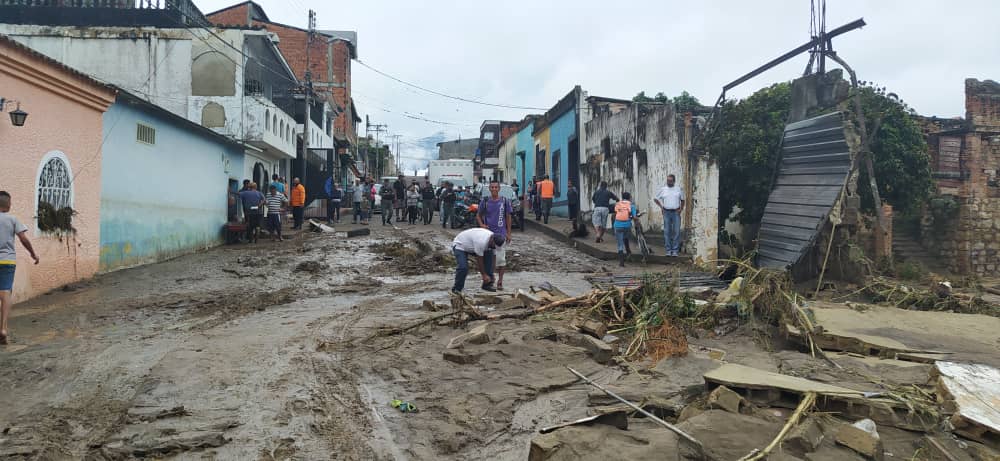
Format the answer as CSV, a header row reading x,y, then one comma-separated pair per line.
x,y
480,243
670,198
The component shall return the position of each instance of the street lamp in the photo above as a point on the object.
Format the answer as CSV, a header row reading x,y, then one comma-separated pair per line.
x,y
18,116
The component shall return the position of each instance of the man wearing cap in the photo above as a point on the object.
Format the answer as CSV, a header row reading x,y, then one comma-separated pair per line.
x,y
480,243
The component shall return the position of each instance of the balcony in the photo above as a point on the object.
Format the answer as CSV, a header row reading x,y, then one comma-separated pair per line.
x,y
318,139
263,126
130,13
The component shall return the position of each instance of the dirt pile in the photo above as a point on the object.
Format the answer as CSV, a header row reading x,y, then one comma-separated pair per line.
x,y
412,257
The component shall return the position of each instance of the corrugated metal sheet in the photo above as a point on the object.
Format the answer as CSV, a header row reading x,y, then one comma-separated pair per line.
x,y
814,166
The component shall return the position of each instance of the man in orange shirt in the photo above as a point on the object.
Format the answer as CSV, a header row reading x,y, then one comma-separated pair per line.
x,y
547,190
298,202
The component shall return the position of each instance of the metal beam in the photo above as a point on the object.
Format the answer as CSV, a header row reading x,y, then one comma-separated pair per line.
x,y
857,24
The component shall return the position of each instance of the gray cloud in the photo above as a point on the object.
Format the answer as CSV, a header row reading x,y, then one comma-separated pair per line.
x,y
531,53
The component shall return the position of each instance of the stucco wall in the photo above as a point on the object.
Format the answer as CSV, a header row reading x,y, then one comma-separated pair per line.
x,y
64,121
158,63
643,146
162,200
526,144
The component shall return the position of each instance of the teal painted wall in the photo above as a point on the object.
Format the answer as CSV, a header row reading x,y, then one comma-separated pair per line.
x,y
560,132
163,200
526,144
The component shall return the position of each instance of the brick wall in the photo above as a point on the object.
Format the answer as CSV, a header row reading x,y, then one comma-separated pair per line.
x,y
970,243
328,64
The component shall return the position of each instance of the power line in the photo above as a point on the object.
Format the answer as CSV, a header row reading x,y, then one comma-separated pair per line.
x,y
417,117
457,98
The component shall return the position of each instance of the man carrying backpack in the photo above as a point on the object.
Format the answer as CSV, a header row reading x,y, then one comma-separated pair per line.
x,y
624,213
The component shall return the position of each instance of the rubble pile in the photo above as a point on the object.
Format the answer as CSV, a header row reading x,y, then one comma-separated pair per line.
x,y
866,381
412,257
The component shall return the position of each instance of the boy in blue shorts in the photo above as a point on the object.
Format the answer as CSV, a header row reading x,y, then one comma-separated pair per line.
x,y
9,228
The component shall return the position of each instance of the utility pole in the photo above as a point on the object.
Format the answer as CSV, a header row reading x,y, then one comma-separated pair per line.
x,y
304,155
399,165
377,128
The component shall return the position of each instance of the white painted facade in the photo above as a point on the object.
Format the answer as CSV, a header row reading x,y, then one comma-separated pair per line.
x,y
635,152
262,124
149,62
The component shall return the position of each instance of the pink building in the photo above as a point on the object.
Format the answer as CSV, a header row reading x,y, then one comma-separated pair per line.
x,y
51,166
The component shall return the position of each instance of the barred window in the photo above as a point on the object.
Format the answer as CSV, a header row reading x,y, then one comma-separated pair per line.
x,y
55,196
54,184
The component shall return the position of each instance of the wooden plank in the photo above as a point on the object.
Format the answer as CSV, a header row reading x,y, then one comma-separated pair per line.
x,y
972,392
832,131
790,245
834,157
840,169
812,180
794,233
774,253
816,122
838,145
763,261
796,210
800,222
745,377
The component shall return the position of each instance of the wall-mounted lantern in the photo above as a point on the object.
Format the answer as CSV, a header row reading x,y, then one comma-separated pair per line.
x,y
17,116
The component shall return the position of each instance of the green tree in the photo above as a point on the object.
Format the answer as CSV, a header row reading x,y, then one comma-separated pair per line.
x,y
747,139
685,102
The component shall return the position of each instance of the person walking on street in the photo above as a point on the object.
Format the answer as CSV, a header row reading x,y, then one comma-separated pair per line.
x,y
276,202
602,208
334,196
495,214
413,204
670,199
389,200
399,187
547,191
427,195
367,200
298,201
10,227
355,192
624,213
448,198
536,206
572,201
276,182
480,243
253,207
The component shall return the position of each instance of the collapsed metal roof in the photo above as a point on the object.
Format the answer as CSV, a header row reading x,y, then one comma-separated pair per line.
x,y
815,163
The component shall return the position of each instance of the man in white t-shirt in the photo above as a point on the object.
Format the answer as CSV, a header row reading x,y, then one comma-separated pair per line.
x,y
670,198
480,243
10,228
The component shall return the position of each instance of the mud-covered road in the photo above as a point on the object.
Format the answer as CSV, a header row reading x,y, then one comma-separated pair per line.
x,y
254,352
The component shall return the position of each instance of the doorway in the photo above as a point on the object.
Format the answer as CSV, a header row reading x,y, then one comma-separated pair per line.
x,y
574,162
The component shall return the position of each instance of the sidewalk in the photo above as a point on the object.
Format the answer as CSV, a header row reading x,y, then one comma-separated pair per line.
x,y
559,228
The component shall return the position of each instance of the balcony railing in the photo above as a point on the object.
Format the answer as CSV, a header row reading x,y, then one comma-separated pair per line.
x,y
161,13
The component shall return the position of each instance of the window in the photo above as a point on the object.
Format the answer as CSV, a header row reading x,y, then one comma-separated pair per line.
x,y
145,134
274,124
55,194
267,119
488,135
556,169
281,129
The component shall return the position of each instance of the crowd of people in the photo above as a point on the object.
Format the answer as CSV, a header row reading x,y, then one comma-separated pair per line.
x,y
269,209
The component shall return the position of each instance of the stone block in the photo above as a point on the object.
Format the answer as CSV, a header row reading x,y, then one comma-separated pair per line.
x,y
863,438
477,335
599,350
462,356
726,399
804,438
593,328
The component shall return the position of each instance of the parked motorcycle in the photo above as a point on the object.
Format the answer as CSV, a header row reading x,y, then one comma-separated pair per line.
x,y
464,215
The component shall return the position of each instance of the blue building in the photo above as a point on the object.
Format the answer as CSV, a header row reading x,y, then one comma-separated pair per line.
x,y
165,184
557,147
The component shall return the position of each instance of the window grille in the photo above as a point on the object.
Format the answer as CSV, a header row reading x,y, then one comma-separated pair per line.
x,y
54,185
145,134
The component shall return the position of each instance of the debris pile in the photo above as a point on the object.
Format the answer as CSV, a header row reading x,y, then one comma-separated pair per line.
x,y
413,257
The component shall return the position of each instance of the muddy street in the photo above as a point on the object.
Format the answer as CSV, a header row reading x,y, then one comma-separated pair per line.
x,y
235,353
298,350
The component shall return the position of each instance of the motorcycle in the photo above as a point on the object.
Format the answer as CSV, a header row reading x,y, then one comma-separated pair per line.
x,y
464,215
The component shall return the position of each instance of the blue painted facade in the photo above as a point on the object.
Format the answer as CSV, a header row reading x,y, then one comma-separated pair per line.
x,y
561,131
163,199
526,144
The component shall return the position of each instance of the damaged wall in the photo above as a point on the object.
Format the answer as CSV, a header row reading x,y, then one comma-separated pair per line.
x,y
966,164
635,149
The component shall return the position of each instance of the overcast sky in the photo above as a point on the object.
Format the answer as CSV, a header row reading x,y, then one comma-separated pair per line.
x,y
532,52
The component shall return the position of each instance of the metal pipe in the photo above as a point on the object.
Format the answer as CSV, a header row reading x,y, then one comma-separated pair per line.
x,y
675,429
